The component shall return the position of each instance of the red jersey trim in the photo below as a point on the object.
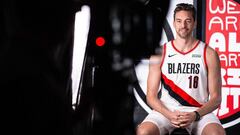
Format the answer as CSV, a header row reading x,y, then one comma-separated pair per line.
x,y
177,93
205,56
184,53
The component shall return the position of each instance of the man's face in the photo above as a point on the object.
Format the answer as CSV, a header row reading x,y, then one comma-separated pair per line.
x,y
184,24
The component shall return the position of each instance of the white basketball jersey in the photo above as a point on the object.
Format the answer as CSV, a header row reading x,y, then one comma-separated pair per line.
x,y
184,76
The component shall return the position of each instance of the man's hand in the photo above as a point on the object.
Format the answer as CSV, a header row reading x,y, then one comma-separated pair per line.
x,y
174,118
186,118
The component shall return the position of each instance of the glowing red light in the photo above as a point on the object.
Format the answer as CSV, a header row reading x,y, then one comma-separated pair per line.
x,y
100,41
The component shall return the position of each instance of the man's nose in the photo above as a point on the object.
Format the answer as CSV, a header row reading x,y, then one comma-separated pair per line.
x,y
183,24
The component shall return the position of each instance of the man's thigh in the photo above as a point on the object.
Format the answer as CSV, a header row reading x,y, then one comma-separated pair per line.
x,y
160,121
208,120
213,128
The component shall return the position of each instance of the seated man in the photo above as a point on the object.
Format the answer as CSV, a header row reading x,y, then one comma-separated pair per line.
x,y
189,73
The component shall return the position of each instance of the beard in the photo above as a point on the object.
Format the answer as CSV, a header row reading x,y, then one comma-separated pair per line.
x,y
184,33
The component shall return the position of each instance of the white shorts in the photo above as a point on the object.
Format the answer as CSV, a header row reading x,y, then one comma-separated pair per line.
x,y
165,126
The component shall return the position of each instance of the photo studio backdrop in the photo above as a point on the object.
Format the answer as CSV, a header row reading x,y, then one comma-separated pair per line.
x,y
219,26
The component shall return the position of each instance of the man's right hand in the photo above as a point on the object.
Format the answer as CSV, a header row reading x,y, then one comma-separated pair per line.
x,y
174,118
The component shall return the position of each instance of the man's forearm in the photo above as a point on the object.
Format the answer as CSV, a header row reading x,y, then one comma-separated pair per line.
x,y
210,106
158,106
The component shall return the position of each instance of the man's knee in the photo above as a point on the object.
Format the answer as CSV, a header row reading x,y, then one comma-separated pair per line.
x,y
216,132
147,129
142,131
219,131
213,129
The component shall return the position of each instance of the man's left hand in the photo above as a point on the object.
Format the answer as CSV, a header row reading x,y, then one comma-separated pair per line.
x,y
186,118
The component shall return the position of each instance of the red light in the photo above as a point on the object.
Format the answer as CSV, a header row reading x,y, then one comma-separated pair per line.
x,y
100,41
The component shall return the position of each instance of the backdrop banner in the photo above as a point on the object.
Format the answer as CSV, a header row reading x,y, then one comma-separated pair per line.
x,y
222,33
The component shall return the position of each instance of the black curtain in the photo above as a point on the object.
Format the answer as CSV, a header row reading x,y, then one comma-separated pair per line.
x,y
35,56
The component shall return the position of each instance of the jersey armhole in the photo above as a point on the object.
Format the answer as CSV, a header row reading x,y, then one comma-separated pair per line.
x,y
163,55
205,57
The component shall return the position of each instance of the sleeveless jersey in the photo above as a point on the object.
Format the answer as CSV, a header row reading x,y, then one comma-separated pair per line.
x,y
184,76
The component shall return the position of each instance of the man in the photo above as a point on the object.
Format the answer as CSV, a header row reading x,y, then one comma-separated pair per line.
x,y
189,77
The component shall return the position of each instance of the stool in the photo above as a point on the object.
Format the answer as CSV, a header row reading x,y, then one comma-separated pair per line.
x,y
180,131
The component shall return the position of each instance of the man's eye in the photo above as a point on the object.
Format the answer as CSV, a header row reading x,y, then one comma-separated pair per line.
x,y
188,21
